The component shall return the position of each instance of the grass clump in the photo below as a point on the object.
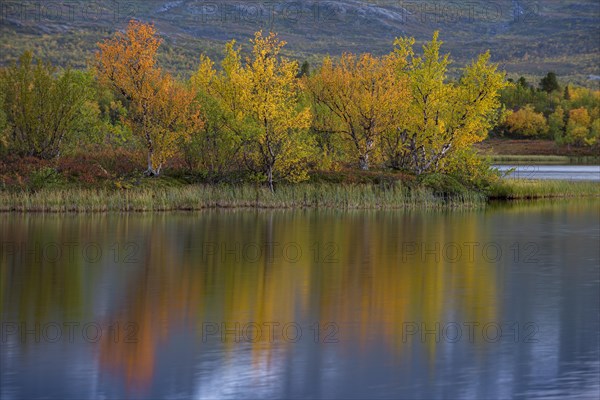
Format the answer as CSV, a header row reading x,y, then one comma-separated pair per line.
x,y
511,189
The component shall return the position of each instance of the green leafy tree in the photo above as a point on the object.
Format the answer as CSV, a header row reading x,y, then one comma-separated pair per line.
x,y
216,148
44,108
523,83
304,70
257,104
556,123
567,94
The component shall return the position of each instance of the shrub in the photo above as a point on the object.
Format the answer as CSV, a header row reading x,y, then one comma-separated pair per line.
x,y
44,178
444,185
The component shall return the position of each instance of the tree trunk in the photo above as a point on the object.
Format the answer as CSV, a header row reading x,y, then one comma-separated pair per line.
x,y
364,162
151,171
270,179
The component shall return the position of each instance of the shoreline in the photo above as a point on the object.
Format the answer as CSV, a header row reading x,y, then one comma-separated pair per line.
x,y
195,197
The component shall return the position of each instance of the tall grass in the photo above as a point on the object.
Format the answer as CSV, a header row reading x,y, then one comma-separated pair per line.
x,y
318,196
509,189
197,197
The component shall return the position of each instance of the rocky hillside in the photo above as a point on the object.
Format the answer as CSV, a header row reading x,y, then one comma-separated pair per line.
x,y
526,37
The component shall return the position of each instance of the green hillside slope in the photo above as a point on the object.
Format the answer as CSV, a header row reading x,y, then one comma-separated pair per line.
x,y
527,38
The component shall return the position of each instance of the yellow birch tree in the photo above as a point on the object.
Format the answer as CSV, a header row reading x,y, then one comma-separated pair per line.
x,y
443,116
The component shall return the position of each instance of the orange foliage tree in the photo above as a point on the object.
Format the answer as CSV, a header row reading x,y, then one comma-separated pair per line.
x,y
161,112
364,95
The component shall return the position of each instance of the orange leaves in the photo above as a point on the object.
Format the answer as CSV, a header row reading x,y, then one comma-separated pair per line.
x,y
161,111
364,94
128,61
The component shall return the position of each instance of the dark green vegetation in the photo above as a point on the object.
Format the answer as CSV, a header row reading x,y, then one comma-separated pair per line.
x,y
567,114
526,38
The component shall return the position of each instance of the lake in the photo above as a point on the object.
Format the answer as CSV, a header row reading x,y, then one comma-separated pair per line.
x,y
497,303
553,172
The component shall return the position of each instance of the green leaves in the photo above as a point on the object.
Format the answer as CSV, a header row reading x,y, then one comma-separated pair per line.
x,y
43,107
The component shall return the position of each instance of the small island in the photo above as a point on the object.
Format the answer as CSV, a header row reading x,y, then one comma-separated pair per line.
x,y
261,131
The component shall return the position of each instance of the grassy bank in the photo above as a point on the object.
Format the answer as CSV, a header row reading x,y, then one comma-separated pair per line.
x,y
513,189
198,197
314,196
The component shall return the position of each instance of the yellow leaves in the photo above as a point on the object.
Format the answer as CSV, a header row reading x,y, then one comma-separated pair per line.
x,y
401,104
270,101
444,116
259,101
579,116
578,127
527,122
365,95
205,74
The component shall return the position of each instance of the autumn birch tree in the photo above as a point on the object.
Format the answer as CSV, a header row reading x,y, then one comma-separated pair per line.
x,y
278,143
364,93
41,107
220,95
259,104
160,112
445,116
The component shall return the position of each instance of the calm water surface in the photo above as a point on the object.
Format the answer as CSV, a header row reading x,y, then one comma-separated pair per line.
x,y
554,172
302,304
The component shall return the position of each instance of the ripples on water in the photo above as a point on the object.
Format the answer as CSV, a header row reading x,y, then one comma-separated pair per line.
x,y
370,284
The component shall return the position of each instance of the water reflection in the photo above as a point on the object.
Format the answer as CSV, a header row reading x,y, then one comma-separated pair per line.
x,y
489,304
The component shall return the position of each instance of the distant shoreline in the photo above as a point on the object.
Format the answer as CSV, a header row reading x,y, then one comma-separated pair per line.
x,y
535,149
